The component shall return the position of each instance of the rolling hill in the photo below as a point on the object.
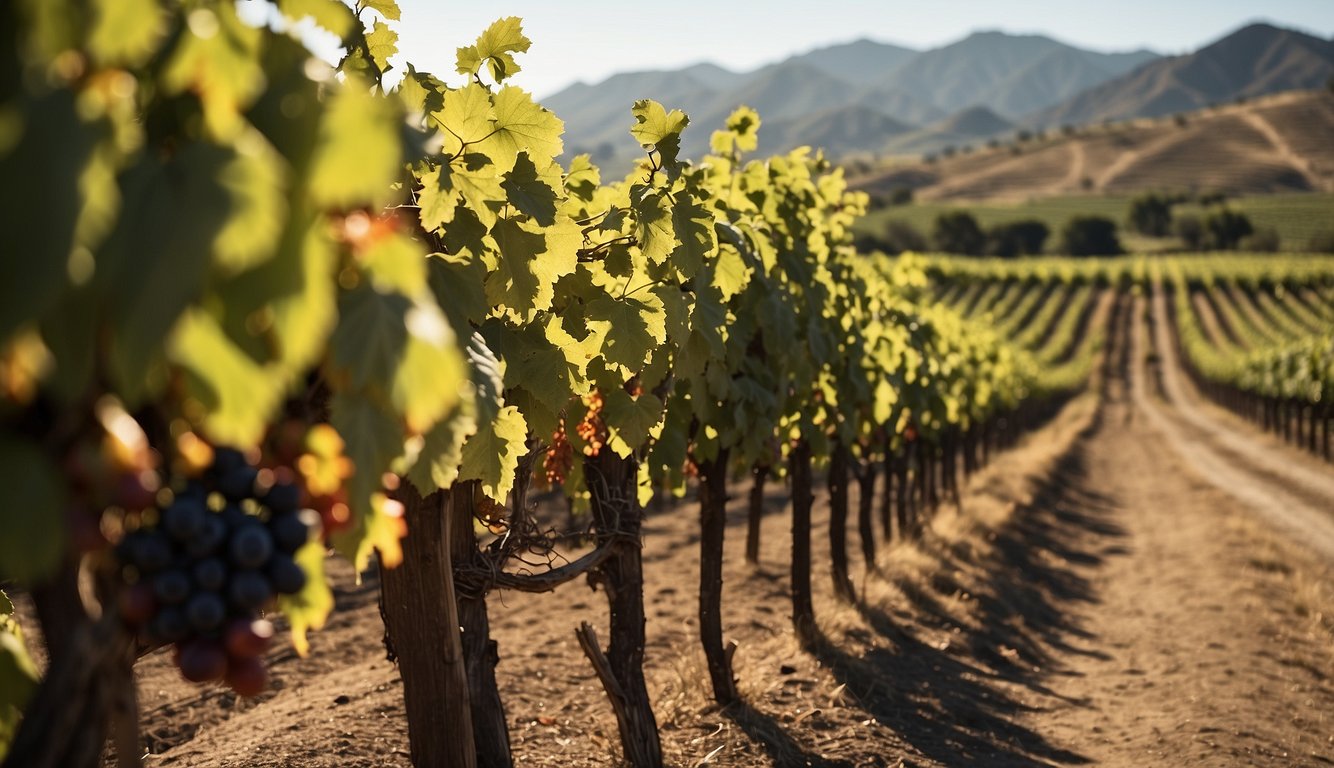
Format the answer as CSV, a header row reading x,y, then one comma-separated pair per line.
x,y
1278,143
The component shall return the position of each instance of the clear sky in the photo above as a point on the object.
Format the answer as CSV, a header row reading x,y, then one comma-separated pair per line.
x,y
589,40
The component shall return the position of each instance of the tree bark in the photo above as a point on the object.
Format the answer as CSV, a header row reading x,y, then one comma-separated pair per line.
x,y
421,620
755,512
617,514
803,609
88,681
490,729
838,524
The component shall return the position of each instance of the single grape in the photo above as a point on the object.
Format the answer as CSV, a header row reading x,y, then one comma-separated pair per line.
x,y
251,546
205,611
202,661
234,517
246,638
171,587
286,576
210,574
246,675
210,537
184,519
291,532
238,483
169,626
249,590
227,459
283,498
149,551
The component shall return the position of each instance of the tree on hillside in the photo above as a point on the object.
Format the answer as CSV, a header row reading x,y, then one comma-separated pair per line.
x,y
1225,228
1151,214
895,238
1090,236
1190,230
958,232
1017,238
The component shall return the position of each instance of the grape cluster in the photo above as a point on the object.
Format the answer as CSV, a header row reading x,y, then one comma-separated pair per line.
x,y
559,457
591,429
200,577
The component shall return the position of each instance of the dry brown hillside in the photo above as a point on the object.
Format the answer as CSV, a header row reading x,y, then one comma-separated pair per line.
x,y
1279,143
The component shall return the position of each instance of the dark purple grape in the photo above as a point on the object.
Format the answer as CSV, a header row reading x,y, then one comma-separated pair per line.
x,y
251,546
171,587
210,538
283,498
168,626
227,459
205,611
234,517
291,532
238,483
286,576
149,551
184,519
210,574
249,590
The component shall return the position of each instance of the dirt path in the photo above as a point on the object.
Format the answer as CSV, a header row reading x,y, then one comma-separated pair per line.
x,y
1284,150
1102,599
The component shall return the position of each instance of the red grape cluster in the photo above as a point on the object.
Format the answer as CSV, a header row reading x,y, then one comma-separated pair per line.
x,y
220,551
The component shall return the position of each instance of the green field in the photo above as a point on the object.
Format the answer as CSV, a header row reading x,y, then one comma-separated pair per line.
x,y
1296,217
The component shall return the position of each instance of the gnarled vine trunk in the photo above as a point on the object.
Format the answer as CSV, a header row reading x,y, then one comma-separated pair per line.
x,y
755,512
803,609
866,512
838,523
618,517
421,621
713,523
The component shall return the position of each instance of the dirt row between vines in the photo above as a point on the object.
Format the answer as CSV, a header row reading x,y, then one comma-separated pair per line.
x,y
1096,601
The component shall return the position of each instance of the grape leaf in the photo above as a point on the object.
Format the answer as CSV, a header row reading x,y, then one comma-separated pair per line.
x,y
521,124
125,32
629,420
309,608
374,440
386,8
438,198
358,154
217,58
693,230
437,463
654,226
526,192
465,118
382,43
495,48
525,276
631,327
329,14
657,129
430,377
370,336
492,454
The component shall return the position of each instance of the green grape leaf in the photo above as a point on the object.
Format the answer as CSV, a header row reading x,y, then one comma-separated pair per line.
x,y
358,154
308,609
373,441
370,336
630,420
583,179
382,43
465,118
386,8
478,183
495,47
437,463
492,454
218,59
631,327
126,32
731,274
231,395
328,14
421,92
458,285
525,276
438,198
654,226
429,379
693,230
657,129
521,124
744,125
528,193
33,515
255,183
395,264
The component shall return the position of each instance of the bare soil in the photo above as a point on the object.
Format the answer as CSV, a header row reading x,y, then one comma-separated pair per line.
x,y
1125,588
